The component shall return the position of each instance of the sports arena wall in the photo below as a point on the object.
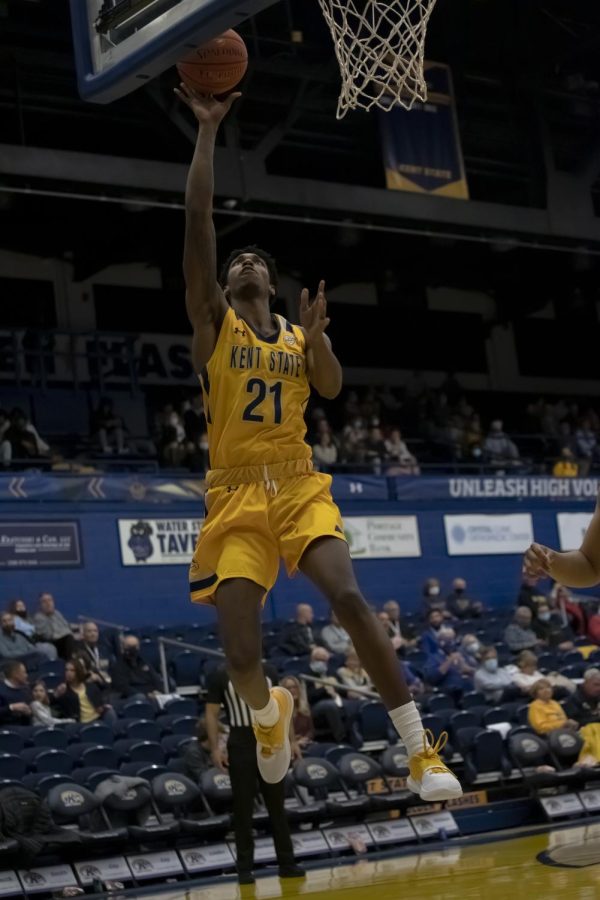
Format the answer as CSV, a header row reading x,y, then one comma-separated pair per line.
x,y
117,548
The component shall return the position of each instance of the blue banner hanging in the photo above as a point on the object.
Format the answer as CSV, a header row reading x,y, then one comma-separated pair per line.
x,y
421,148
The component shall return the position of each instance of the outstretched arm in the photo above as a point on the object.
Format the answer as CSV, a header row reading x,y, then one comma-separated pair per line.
x,y
324,369
577,568
205,302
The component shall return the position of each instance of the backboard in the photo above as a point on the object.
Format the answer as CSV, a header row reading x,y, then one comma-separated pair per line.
x,y
121,44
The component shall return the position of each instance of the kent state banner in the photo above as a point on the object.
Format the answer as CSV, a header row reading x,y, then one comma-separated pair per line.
x,y
421,148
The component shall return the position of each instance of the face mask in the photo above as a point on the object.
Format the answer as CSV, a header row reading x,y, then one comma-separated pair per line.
x,y
130,652
544,616
473,648
491,665
319,667
434,590
459,591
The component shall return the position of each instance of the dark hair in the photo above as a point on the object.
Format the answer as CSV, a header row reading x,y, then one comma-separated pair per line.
x,y
11,666
12,606
80,670
262,254
41,683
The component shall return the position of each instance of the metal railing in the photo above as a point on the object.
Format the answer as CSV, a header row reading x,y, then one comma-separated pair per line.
x,y
182,645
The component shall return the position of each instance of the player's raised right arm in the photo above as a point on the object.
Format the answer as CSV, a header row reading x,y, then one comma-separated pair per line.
x,y
205,302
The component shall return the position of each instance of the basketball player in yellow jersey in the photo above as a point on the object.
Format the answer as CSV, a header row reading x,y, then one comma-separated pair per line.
x,y
264,502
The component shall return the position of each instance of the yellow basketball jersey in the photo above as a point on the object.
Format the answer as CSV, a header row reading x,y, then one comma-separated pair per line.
x,y
255,391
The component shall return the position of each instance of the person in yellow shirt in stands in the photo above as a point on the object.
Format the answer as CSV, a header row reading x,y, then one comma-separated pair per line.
x,y
545,714
566,466
80,699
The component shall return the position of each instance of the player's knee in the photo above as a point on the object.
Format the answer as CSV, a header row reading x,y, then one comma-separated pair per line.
x,y
349,602
241,659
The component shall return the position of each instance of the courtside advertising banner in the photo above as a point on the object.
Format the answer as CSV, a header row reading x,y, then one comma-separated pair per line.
x,y
488,535
421,148
572,528
382,537
39,545
158,542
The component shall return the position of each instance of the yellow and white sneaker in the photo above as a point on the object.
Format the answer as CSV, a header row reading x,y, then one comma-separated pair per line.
x,y
273,750
429,777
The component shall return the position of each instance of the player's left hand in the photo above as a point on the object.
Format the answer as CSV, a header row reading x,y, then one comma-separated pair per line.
x,y
313,316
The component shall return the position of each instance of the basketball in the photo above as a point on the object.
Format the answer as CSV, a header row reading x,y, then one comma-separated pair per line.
x,y
217,66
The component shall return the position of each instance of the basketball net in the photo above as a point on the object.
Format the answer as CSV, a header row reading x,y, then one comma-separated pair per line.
x,y
380,48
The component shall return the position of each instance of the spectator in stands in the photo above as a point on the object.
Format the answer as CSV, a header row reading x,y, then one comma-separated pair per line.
x,y
80,699
297,638
325,452
530,594
335,637
550,629
108,428
448,672
400,640
413,682
41,713
498,449
96,654
330,712
566,465
303,725
131,675
584,703
562,601
352,674
16,693
432,598
438,634
525,673
586,446
25,443
51,625
470,650
490,678
25,625
401,460
197,755
375,452
459,604
545,714
14,644
519,635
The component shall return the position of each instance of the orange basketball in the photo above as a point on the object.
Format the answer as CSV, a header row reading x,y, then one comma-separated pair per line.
x,y
217,66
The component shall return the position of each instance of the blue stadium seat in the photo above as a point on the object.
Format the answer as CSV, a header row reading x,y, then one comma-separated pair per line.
x,y
372,722
97,733
143,730
12,767
178,724
146,751
173,744
433,723
573,657
99,756
472,698
439,701
11,742
50,737
150,653
137,709
547,662
181,707
335,753
149,770
42,782
573,671
464,719
293,665
486,757
91,776
56,761
495,715
51,667
52,680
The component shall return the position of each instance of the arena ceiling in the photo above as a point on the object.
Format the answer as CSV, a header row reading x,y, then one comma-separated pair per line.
x,y
527,83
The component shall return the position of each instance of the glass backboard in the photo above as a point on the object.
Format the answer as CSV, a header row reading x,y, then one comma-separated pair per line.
x,y
121,44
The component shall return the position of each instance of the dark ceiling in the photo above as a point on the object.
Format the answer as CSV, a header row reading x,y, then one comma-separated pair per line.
x,y
526,76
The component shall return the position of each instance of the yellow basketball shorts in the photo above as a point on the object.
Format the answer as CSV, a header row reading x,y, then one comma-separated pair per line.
x,y
247,531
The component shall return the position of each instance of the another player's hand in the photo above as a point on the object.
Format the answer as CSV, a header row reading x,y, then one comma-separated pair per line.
x,y
220,758
538,561
205,107
313,316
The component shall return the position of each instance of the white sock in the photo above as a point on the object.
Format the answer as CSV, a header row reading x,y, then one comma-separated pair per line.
x,y
268,715
407,722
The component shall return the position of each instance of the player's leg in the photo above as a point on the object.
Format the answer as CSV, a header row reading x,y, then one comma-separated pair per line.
x,y
327,563
239,602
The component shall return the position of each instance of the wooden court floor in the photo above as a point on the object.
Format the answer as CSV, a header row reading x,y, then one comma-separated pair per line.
x,y
559,864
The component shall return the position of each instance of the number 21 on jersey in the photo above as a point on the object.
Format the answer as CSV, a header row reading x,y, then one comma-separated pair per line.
x,y
255,411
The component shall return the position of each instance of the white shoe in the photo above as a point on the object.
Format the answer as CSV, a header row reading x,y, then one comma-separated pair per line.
x,y
273,750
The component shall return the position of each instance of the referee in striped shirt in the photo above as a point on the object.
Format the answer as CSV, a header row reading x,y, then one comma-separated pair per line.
x,y
240,761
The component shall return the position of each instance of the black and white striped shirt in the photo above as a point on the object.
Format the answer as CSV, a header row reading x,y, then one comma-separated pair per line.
x,y
219,689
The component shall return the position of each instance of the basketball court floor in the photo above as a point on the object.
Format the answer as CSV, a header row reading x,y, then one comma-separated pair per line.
x,y
564,863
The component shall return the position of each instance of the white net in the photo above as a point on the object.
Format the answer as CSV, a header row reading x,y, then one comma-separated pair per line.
x,y
380,47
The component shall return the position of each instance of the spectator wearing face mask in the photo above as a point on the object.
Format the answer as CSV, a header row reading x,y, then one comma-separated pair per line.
x,y
490,678
331,713
470,649
460,605
432,598
438,633
550,629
